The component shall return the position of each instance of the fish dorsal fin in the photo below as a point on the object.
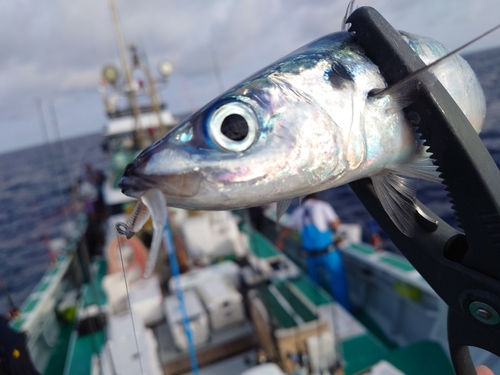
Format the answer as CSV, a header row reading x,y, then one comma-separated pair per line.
x,y
397,195
282,207
405,91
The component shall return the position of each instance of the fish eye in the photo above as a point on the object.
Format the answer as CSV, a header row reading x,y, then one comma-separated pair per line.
x,y
233,126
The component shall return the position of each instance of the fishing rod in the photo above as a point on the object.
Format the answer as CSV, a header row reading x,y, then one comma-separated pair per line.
x,y
14,310
57,131
83,246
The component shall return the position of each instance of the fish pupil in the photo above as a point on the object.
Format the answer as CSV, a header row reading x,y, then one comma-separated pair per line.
x,y
234,127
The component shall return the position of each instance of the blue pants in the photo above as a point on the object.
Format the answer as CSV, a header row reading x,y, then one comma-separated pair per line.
x,y
331,265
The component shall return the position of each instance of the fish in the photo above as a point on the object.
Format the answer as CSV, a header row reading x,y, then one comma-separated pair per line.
x,y
303,124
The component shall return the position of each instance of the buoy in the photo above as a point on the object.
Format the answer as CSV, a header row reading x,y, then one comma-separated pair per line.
x,y
134,253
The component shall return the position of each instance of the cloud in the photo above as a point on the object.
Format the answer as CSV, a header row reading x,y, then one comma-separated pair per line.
x,y
53,48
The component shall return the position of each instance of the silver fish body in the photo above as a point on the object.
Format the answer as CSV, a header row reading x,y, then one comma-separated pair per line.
x,y
301,125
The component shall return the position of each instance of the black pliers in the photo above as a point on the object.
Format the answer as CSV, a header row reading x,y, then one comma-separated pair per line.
x,y
462,267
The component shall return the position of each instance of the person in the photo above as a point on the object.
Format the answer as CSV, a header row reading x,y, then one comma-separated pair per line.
x,y
256,215
317,221
14,355
483,370
375,238
91,193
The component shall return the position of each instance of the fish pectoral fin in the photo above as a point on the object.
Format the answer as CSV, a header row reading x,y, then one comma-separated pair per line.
x,y
282,207
397,195
421,167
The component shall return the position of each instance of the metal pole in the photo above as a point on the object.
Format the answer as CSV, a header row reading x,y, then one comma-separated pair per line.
x,y
128,74
153,95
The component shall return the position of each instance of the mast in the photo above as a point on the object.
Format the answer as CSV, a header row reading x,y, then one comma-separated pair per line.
x,y
153,94
128,74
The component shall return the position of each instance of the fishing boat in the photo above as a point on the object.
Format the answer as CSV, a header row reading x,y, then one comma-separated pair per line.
x,y
136,118
237,306
251,308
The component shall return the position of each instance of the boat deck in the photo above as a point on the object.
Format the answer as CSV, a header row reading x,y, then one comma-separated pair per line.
x,y
82,348
223,344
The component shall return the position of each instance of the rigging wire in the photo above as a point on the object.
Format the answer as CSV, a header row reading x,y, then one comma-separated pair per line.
x,y
55,125
52,160
182,77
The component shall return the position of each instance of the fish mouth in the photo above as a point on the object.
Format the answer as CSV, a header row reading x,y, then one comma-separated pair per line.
x,y
134,184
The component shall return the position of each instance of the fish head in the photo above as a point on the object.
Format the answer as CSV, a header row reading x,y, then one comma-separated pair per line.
x,y
262,141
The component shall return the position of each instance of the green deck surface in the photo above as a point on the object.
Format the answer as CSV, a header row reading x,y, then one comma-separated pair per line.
x,y
279,313
54,269
296,304
30,306
361,352
400,263
94,293
315,294
82,348
17,323
375,330
58,357
424,357
43,287
80,358
276,310
363,248
261,246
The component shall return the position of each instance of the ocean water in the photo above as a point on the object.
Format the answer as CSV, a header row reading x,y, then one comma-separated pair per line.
x,y
35,185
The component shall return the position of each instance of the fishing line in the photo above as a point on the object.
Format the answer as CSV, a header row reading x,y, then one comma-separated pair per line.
x,y
423,73
128,297
215,65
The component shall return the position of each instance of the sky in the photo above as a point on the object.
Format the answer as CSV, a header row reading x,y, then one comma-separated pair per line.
x,y
52,51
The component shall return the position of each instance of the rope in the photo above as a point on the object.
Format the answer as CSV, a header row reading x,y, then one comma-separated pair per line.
x,y
167,237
